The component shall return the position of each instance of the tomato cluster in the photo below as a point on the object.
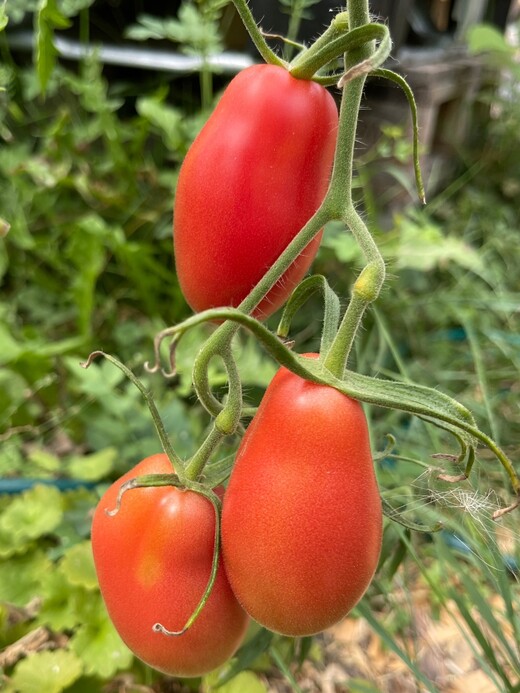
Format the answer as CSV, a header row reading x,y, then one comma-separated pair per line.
x,y
301,518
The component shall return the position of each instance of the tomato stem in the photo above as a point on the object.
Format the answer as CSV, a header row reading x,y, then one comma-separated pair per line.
x,y
256,34
175,460
215,502
334,42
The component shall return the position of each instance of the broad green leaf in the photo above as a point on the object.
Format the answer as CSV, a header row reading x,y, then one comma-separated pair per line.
x,y
48,18
101,649
51,672
9,348
21,577
484,38
424,247
33,514
77,566
95,466
44,460
62,604
166,119
244,682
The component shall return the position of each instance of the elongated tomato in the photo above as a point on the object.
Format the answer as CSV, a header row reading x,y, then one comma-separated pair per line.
x,y
153,560
302,520
253,177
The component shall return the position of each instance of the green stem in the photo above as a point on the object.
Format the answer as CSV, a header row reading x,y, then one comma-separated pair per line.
x,y
256,35
176,461
335,42
369,283
221,339
198,461
215,501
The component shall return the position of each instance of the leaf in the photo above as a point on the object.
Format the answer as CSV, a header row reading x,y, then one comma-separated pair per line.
x,y
48,19
51,672
3,23
10,350
245,682
101,649
166,119
33,514
21,577
424,247
484,38
77,566
245,657
95,466
45,460
63,605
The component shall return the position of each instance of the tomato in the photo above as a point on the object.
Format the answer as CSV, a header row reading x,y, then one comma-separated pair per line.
x,y
253,177
153,560
302,518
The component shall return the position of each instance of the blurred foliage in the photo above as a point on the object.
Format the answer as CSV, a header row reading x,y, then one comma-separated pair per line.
x,y
86,184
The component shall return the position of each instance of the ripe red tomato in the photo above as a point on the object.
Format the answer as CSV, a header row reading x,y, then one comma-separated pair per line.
x,y
302,518
153,561
253,177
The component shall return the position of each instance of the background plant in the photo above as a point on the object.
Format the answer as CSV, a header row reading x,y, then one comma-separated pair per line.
x,y
74,185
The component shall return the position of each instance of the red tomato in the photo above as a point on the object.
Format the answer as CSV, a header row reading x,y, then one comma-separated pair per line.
x,y
302,519
255,174
153,561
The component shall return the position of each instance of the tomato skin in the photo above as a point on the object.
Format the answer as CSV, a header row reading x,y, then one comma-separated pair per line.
x,y
302,518
255,174
153,561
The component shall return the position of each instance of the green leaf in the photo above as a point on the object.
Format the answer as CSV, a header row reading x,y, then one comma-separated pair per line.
x,y
33,514
484,38
245,657
48,18
3,23
244,682
21,577
63,605
166,119
101,649
10,350
424,247
78,566
44,460
51,672
95,466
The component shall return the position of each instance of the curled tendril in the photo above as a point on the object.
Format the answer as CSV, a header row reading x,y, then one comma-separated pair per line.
x,y
124,488
215,501
157,343
452,479
503,511
148,481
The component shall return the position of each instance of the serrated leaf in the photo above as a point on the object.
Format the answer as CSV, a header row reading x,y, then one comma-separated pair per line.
x,y
51,672
95,466
425,247
62,604
21,577
166,119
33,514
45,460
101,649
9,348
77,565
